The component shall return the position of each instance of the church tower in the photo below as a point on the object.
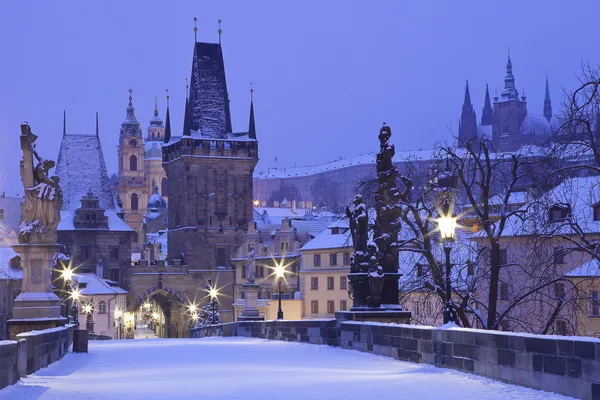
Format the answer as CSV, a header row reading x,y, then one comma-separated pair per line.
x,y
487,114
131,186
153,170
467,129
547,102
209,171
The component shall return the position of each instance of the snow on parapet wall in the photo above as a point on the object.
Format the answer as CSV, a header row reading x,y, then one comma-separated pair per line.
x,y
6,272
81,168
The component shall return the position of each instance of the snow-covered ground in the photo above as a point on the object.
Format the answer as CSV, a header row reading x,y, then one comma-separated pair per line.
x,y
240,368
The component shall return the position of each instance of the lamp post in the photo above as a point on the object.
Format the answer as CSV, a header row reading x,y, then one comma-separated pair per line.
x,y
279,273
212,292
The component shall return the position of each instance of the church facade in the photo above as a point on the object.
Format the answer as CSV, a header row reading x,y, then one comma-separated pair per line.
x,y
507,123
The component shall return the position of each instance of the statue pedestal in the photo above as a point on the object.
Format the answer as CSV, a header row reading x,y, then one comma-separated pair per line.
x,y
36,307
250,312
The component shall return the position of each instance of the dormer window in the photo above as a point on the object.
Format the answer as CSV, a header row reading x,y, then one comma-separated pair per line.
x,y
559,212
335,231
597,212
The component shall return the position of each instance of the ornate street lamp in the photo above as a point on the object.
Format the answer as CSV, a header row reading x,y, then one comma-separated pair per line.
x,y
279,274
446,221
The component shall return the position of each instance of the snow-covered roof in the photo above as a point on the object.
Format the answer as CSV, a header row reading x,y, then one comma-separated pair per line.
x,y
281,212
6,272
114,222
340,223
81,168
94,285
535,125
590,269
328,240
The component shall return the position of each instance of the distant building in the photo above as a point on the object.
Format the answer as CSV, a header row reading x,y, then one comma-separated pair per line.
x,y
508,124
108,302
10,214
11,276
586,278
94,236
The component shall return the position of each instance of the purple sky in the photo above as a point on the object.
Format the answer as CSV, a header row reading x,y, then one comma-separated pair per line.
x,y
326,74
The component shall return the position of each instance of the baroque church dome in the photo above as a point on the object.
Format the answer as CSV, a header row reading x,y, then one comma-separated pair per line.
x,y
156,201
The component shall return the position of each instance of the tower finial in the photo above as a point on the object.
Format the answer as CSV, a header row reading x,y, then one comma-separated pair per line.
x,y
130,98
155,106
64,122
187,87
167,90
167,137
251,93
97,130
195,29
220,31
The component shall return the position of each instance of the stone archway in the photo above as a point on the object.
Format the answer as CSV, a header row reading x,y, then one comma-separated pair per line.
x,y
173,323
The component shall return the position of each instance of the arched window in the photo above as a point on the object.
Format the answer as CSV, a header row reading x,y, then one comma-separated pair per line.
x,y
134,201
102,307
163,187
133,163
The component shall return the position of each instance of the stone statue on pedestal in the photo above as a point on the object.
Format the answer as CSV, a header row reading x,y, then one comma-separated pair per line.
x,y
251,266
359,223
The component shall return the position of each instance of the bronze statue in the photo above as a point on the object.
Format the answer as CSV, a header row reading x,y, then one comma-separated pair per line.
x,y
359,223
40,209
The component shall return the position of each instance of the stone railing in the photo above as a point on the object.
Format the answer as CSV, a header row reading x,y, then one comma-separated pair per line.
x,y
32,351
565,365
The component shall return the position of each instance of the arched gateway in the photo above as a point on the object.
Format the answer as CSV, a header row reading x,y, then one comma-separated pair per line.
x,y
163,311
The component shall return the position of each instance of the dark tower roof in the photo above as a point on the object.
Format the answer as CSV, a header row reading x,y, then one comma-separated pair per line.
x,y
509,92
467,128
487,114
208,101
130,126
167,124
156,121
251,124
547,102
186,119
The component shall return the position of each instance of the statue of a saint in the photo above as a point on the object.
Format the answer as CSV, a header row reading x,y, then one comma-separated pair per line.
x,y
40,209
251,266
359,223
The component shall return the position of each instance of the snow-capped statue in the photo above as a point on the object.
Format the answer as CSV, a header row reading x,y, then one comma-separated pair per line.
x,y
251,266
40,209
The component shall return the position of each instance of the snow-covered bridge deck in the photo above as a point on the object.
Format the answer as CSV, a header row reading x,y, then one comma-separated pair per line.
x,y
241,368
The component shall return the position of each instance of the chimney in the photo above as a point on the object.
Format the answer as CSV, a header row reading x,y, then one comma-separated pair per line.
x,y
294,206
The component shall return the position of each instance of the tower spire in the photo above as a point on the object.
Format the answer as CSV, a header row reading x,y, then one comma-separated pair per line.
x,y
510,92
97,130
195,29
487,114
547,102
467,94
467,126
167,121
155,106
220,31
251,124
187,116
64,123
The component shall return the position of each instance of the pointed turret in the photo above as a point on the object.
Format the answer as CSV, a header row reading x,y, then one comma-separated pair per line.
x,y
130,126
167,123
547,102
510,92
467,128
156,120
251,124
187,116
487,114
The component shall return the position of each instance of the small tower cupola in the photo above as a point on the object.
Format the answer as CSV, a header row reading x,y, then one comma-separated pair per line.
x,y
156,202
156,130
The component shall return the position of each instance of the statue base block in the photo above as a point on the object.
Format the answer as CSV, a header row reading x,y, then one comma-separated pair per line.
x,y
21,325
374,315
250,312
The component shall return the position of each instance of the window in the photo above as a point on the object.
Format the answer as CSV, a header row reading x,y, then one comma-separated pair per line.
x,y
285,247
114,275
314,307
333,259
114,252
596,213
346,259
561,327
335,231
133,163
134,201
470,268
102,307
248,248
503,294
314,283
343,305
343,283
419,269
595,304
330,306
221,256
243,271
85,252
559,255
317,260
428,308
559,212
330,283
260,271
415,307
503,256
163,187
559,290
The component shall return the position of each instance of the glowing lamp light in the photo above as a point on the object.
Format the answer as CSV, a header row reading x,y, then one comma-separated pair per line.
x,y
256,203
213,293
447,227
147,305
192,308
75,294
195,316
155,315
279,271
87,308
118,313
67,274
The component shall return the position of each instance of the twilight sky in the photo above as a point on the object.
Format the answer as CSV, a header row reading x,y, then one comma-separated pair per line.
x,y
326,74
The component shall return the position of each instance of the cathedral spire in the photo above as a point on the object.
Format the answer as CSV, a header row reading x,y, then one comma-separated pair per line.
x,y
547,102
187,116
510,92
487,114
467,126
251,124
167,121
